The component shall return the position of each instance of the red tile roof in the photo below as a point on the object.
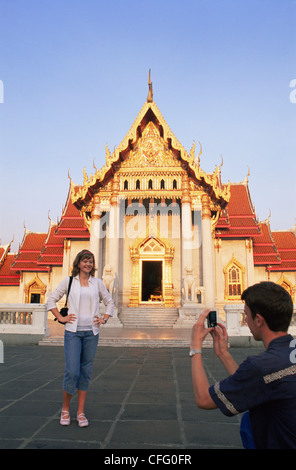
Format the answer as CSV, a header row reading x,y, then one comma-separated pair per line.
x,y
286,244
264,249
7,277
72,224
29,252
238,220
53,249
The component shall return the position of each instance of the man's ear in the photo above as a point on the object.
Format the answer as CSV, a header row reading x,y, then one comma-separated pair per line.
x,y
259,319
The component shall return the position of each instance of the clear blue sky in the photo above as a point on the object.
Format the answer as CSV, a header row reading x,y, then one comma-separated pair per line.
x,y
75,72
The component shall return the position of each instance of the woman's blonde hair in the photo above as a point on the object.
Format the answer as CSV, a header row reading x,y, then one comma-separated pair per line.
x,y
84,254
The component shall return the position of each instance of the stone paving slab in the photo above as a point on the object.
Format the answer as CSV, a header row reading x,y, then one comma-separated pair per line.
x,y
139,398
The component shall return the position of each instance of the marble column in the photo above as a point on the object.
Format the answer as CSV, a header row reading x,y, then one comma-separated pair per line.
x,y
207,254
94,242
113,234
186,223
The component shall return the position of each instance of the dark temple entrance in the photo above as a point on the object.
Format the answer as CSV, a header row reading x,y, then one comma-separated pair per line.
x,y
151,281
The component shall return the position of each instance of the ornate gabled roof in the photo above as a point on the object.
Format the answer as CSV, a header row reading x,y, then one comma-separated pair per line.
x,y
72,224
239,219
29,252
53,249
150,116
265,251
7,277
285,242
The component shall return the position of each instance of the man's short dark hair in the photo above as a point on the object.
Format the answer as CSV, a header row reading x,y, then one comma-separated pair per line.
x,y
272,302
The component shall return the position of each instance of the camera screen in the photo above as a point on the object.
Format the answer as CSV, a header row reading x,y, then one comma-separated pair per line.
x,y
212,319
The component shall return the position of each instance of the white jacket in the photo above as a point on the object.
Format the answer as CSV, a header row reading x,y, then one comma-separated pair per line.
x,y
97,290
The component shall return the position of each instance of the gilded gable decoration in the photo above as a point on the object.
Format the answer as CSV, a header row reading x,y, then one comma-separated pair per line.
x,y
151,145
151,151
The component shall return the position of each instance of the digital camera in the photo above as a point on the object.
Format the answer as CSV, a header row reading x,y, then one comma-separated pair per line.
x,y
212,319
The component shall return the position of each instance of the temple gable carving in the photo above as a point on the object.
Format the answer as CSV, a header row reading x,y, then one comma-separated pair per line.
x,y
151,151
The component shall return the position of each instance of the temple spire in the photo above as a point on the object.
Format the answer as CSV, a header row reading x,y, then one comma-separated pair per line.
x,y
150,93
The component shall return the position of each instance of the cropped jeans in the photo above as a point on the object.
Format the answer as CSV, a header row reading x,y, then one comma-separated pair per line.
x,y
80,349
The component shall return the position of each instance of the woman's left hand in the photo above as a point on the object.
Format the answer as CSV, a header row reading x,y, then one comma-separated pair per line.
x,y
98,321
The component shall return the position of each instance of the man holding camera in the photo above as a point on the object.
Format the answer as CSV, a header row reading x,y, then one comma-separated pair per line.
x,y
264,386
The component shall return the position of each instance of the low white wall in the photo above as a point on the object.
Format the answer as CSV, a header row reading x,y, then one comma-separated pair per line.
x,y
23,323
237,329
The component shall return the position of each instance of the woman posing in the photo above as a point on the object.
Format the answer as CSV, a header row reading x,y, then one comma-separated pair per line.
x,y
81,329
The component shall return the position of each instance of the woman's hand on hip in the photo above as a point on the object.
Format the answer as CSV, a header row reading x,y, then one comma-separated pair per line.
x,y
98,321
68,318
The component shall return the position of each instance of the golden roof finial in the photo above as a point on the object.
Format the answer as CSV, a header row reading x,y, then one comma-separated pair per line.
x,y
246,180
150,92
85,177
267,221
199,154
192,151
108,154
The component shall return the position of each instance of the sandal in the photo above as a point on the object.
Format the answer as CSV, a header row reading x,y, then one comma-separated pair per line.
x,y
65,418
82,421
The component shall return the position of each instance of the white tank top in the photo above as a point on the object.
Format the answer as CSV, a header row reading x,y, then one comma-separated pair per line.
x,y
84,316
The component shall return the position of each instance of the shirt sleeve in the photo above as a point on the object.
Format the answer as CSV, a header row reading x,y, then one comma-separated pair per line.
x,y
239,392
57,294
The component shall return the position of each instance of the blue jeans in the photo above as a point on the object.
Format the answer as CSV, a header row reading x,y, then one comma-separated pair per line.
x,y
80,350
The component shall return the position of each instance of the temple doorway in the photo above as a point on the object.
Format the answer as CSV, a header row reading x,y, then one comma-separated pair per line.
x,y
152,281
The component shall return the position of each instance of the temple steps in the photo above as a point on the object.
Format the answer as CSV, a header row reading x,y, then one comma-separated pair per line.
x,y
144,326
148,317
142,337
142,342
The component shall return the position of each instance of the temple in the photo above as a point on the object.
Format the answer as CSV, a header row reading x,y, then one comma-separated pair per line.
x,y
167,236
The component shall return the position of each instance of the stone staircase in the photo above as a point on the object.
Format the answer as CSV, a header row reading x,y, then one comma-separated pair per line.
x,y
143,326
148,317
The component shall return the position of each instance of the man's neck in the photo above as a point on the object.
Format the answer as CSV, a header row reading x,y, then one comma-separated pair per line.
x,y
269,335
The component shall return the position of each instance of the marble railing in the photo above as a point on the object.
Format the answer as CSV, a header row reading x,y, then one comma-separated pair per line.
x,y
23,319
31,319
236,325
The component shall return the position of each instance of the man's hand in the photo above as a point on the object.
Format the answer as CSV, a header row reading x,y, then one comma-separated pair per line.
x,y
220,338
199,379
199,331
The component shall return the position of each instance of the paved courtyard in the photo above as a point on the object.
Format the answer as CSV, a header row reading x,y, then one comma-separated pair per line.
x,y
139,398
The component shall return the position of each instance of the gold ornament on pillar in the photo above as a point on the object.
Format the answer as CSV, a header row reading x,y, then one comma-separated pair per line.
x,y
96,211
206,211
115,190
185,189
